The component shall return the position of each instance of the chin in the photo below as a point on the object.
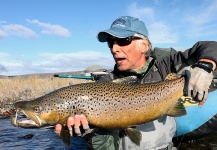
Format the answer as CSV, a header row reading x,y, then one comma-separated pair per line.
x,y
122,68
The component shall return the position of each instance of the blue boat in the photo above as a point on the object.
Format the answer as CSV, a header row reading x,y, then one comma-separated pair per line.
x,y
199,121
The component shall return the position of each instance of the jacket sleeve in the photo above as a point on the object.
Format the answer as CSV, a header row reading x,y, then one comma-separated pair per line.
x,y
202,49
177,60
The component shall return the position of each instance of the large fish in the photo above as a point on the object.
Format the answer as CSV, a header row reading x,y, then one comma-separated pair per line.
x,y
108,105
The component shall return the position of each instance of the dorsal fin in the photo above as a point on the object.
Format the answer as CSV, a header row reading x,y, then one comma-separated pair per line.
x,y
171,76
126,80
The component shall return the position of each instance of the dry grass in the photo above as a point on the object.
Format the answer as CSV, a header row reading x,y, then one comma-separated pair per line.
x,y
27,88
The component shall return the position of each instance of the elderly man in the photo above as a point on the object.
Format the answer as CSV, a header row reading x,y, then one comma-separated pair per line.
x,y
128,42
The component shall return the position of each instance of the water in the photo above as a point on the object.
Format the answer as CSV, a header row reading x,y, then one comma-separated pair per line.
x,y
45,139
12,138
205,143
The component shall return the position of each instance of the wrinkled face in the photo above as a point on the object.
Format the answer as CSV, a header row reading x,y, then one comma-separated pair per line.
x,y
129,57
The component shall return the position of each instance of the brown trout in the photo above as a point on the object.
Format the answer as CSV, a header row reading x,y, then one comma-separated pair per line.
x,y
108,105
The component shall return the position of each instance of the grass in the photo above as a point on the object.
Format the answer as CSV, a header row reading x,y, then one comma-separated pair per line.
x,y
27,88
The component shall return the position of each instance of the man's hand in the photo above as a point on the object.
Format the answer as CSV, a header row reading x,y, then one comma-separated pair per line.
x,y
199,82
75,122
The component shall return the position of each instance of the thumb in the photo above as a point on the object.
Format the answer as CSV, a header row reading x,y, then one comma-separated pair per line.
x,y
183,70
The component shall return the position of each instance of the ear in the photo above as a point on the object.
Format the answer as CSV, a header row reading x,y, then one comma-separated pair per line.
x,y
144,46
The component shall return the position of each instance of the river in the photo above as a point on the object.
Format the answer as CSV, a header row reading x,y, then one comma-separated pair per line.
x,y
12,138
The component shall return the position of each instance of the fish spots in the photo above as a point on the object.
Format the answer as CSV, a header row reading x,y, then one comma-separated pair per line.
x,y
108,101
137,109
111,115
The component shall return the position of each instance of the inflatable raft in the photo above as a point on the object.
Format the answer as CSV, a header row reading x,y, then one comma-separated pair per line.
x,y
199,121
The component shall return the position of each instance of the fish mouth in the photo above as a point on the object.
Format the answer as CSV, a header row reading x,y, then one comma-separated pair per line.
x,y
32,120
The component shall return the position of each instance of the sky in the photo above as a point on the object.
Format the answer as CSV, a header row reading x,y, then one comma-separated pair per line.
x,y
48,36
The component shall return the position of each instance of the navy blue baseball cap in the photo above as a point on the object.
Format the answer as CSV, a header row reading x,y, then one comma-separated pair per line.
x,y
123,27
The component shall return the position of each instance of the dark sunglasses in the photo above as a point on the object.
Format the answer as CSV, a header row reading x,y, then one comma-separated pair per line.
x,y
121,41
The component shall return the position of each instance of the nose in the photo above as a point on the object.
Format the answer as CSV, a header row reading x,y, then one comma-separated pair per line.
x,y
115,48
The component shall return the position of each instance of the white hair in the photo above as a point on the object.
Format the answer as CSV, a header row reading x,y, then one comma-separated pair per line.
x,y
148,49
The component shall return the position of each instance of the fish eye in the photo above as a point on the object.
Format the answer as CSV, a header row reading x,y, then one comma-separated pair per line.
x,y
36,109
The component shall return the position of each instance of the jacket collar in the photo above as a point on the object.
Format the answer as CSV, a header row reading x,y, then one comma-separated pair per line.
x,y
139,73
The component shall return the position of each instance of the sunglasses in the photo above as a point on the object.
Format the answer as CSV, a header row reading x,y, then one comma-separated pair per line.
x,y
121,41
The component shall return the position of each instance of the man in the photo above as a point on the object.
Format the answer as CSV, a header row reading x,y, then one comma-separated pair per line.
x,y
128,41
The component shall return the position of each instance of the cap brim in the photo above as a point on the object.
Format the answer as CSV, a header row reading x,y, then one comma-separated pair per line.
x,y
103,36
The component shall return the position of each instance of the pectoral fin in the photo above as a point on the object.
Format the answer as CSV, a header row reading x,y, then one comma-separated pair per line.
x,y
177,109
65,135
134,135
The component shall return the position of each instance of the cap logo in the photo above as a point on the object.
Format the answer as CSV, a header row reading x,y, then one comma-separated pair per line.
x,y
119,22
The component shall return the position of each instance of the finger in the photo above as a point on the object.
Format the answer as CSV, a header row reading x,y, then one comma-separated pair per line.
x,y
77,124
201,103
205,96
58,129
70,123
204,99
181,72
200,96
190,89
84,122
195,93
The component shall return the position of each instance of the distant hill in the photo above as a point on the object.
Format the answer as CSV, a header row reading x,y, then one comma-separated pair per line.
x,y
43,75
91,68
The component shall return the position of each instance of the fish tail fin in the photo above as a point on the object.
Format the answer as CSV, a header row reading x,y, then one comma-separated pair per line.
x,y
134,135
177,109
